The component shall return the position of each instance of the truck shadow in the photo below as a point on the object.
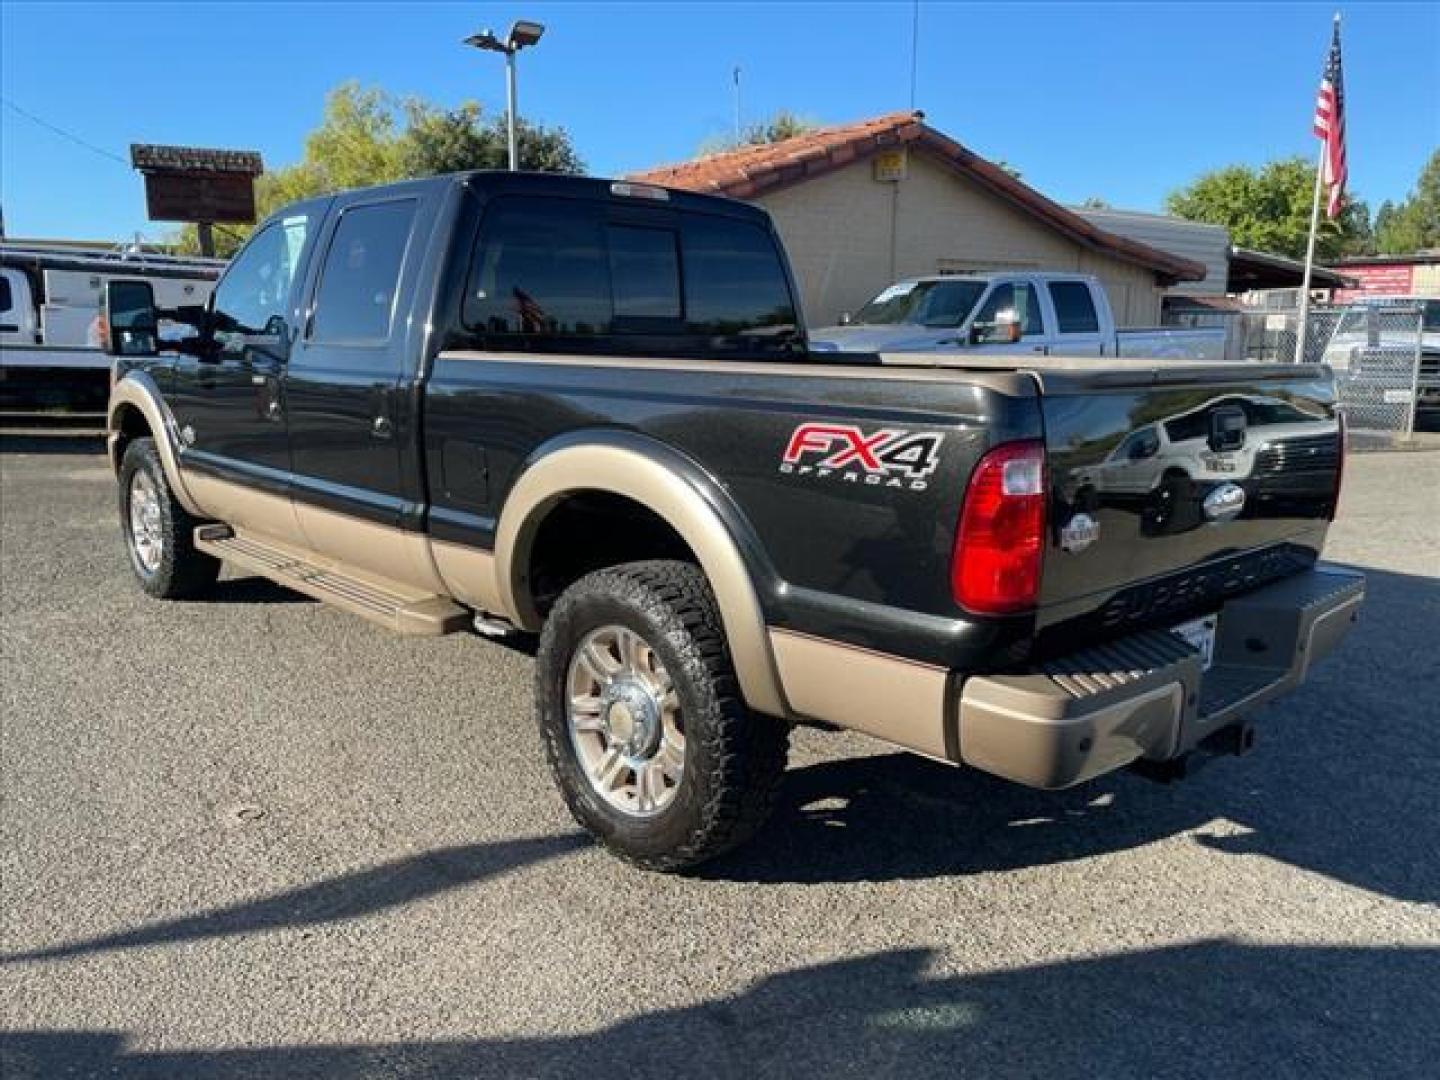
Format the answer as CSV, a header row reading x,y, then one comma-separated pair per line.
x,y
52,442
252,590
336,899
1208,1008
1342,763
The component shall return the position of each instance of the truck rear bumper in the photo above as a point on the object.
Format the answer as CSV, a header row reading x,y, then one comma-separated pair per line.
x,y
1148,696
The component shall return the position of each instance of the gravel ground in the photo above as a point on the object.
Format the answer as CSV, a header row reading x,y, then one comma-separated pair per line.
x,y
258,837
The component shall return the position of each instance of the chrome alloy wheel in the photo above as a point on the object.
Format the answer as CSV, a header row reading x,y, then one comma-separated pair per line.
x,y
625,721
146,535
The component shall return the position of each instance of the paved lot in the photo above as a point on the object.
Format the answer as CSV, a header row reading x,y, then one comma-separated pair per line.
x,y
258,837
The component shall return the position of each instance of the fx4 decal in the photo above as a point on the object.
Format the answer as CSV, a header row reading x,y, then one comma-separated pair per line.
x,y
890,457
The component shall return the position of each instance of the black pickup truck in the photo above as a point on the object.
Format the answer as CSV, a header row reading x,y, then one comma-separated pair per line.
x,y
587,408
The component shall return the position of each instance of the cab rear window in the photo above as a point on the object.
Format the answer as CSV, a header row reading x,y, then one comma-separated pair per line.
x,y
548,271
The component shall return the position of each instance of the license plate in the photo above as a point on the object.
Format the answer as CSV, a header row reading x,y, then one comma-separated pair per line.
x,y
1199,634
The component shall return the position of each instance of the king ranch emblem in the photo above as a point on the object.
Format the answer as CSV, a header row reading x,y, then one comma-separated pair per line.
x,y
890,457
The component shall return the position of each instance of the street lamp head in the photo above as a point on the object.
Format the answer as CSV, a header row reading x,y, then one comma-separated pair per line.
x,y
487,40
524,34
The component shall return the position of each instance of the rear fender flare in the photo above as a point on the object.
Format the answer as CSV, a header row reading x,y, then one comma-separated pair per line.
x,y
669,484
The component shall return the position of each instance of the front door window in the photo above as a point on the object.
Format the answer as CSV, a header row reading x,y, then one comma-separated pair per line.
x,y
256,289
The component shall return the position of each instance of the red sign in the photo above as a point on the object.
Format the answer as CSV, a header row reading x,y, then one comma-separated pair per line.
x,y
1389,280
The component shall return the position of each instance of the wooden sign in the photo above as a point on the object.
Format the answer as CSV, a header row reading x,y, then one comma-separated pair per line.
x,y
191,183
199,197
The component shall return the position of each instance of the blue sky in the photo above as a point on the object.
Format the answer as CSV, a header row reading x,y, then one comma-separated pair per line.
x,y
1125,102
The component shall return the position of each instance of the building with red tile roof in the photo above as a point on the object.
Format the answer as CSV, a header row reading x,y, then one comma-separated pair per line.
x,y
861,205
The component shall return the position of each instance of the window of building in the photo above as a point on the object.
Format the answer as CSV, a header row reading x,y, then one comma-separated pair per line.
x,y
355,301
1074,307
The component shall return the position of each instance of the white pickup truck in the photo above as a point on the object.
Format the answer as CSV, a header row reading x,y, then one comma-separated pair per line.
x,y
1009,312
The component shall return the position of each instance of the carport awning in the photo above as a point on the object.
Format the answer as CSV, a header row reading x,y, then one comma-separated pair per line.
x,y
1251,269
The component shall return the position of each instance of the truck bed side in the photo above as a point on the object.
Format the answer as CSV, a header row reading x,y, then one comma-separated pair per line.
x,y
842,551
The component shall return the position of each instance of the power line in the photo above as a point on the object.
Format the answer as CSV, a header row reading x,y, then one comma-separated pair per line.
x,y
65,134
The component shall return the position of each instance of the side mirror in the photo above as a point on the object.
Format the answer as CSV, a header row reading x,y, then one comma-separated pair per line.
x,y
845,318
130,325
1005,330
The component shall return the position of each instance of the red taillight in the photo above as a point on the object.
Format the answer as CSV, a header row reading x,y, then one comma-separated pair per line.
x,y
1344,449
999,547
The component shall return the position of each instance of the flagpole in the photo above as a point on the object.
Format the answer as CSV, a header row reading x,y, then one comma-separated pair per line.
x,y
1304,328
1309,260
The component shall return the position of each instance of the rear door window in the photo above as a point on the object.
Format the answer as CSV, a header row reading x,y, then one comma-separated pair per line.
x,y
1074,307
355,301
6,300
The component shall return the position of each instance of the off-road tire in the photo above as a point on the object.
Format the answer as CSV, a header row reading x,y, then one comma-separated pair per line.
x,y
734,759
183,572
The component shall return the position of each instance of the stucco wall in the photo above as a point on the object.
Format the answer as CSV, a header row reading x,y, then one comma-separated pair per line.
x,y
837,229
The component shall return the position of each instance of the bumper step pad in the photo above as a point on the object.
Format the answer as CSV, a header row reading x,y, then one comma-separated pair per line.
x,y
397,607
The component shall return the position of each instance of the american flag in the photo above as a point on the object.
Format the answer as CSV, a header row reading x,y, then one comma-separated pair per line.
x,y
1330,126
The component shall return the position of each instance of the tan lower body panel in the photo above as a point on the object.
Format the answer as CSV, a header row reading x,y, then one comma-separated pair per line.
x,y
396,554
244,507
364,548
469,576
898,700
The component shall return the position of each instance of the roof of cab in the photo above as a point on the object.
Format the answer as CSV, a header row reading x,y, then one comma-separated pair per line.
x,y
492,182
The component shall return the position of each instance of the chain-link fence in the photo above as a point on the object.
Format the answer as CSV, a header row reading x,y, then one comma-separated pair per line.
x,y
1376,349
1376,352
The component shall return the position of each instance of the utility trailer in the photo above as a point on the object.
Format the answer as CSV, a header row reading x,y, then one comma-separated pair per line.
x,y
50,334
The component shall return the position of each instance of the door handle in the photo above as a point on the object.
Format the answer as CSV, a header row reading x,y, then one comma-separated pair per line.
x,y
381,428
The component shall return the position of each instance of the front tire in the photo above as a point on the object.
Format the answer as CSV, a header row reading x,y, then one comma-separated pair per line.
x,y
639,708
159,533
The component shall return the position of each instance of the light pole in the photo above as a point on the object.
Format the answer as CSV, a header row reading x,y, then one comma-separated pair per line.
x,y
522,35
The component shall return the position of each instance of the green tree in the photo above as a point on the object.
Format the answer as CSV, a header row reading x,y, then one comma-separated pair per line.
x,y
1414,224
368,136
1269,208
1358,237
453,140
782,125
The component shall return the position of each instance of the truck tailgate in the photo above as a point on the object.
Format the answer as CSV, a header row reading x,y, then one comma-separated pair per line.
x,y
1174,487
